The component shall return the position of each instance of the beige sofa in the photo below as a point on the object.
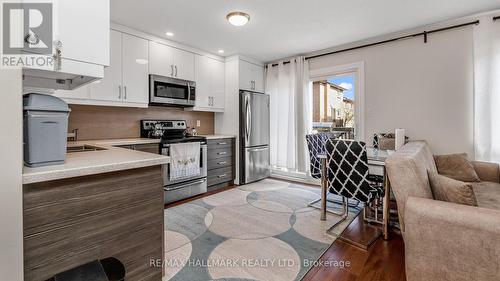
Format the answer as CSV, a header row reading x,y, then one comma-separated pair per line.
x,y
445,241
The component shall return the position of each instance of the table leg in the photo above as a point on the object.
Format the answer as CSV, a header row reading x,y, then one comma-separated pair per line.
x,y
387,197
323,189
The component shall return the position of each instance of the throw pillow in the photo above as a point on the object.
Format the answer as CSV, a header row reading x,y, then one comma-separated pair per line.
x,y
450,190
456,166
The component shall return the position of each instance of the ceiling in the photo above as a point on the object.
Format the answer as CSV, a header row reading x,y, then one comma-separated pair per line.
x,y
283,28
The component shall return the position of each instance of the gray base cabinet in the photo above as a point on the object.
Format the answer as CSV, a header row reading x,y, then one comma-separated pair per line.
x,y
220,162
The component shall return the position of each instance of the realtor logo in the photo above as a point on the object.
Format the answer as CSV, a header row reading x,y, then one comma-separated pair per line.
x,y
27,28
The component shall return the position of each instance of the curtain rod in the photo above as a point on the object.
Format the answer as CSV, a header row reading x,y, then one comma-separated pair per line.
x,y
276,64
425,33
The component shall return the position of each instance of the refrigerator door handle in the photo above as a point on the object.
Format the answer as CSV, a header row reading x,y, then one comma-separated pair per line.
x,y
258,149
248,118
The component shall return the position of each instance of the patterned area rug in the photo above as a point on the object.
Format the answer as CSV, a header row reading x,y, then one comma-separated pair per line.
x,y
259,231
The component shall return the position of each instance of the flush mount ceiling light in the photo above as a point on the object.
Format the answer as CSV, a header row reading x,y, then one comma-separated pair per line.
x,y
169,34
238,18
220,51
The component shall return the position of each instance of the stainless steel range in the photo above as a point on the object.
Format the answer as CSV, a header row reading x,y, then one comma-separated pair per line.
x,y
174,132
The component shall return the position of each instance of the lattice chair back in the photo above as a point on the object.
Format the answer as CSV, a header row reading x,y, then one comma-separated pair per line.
x,y
316,146
347,171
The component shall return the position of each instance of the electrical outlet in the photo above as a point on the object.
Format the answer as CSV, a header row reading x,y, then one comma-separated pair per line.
x,y
198,123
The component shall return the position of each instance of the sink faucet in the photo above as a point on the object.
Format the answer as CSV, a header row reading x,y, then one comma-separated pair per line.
x,y
73,135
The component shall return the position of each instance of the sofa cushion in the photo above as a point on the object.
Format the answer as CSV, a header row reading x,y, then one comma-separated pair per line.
x,y
456,166
487,194
450,190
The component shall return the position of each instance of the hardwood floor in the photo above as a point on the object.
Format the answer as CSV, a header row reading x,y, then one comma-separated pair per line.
x,y
382,261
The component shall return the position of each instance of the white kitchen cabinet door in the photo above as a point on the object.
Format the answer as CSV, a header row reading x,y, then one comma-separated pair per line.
x,y
251,76
161,59
83,28
110,87
258,78
209,84
135,69
245,76
183,64
202,80
217,84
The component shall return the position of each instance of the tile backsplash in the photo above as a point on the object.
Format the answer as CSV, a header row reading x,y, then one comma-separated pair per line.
x,y
105,122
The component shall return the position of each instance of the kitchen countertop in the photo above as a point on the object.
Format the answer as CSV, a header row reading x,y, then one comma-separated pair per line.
x,y
95,162
214,137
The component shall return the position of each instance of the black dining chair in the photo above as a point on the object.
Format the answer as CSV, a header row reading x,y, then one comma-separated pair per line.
x,y
347,173
317,156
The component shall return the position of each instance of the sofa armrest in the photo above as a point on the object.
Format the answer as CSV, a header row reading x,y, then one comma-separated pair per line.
x,y
487,171
447,241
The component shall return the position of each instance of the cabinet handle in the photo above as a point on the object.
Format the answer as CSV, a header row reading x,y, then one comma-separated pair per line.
x,y
222,143
172,70
222,153
176,71
222,163
124,92
222,176
119,92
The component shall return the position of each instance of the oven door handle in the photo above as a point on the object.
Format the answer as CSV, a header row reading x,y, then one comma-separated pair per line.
x,y
184,185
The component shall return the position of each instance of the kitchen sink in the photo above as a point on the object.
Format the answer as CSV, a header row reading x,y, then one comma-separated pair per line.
x,y
83,148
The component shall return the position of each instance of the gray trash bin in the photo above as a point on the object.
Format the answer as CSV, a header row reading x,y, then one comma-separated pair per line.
x,y
45,130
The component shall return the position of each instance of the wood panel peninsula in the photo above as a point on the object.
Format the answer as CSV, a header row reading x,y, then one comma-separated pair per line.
x,y
105,201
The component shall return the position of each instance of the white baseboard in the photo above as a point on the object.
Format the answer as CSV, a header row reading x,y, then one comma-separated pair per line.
x,y
294,176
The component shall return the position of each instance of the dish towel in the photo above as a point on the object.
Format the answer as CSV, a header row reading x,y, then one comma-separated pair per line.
x,y
184,160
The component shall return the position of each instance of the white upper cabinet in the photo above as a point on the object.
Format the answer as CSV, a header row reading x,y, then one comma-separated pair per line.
x,y
125,81
161,59
258,78
79,43
171,62
209,84
183,64
251,76
82,27
246,81
135,69
110,87
217,84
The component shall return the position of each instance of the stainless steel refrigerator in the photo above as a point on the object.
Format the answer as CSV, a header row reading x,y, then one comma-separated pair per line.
x,y
254,136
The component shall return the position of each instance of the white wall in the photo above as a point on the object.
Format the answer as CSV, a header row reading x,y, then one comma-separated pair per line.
x,y
425,88
11,190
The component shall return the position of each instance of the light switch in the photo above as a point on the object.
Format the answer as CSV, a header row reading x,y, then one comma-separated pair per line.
x,y
198,123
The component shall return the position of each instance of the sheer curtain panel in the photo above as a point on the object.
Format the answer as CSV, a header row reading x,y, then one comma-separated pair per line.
x,y
288,87
487,90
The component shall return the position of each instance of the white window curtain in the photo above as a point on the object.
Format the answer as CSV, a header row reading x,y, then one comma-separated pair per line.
x,y
290,109
487,90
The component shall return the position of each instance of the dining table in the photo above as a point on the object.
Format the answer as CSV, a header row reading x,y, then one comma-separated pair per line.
x,y
376,166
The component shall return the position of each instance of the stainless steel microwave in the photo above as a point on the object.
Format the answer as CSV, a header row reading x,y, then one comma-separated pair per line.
x,y
166,91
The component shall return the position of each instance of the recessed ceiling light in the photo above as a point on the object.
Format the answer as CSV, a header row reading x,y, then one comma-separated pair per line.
x,y
169,34
220,51
238,18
